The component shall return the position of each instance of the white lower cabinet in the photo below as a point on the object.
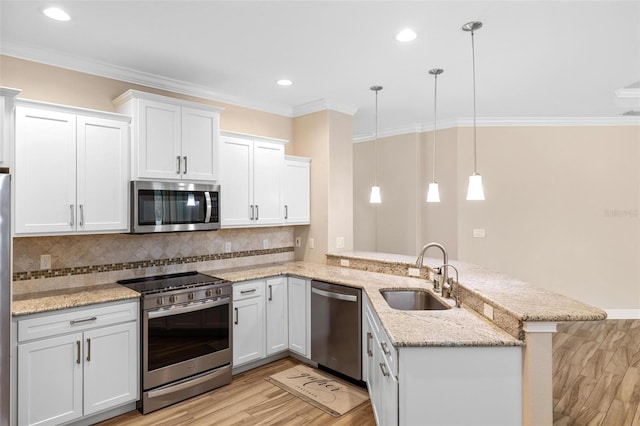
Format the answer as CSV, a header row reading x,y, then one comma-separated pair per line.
x,y
248,322
299,315
277,319
77,363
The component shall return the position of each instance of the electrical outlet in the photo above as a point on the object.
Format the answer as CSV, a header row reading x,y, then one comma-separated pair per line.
x,y
488,311
344,262
45,261
340,242
478,233
298,242
312,243
414,272
227,247
265,244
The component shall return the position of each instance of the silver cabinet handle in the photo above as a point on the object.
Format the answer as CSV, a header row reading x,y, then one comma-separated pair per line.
x,y
185,165
251,211
369,338
178,168
253,290
286,211
270,292
237,316
257,212
81,223
74,322
385,348
71,210
383,367
78,351
88,350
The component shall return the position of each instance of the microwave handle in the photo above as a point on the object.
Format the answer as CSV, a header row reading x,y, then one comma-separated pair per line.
x,y
207,216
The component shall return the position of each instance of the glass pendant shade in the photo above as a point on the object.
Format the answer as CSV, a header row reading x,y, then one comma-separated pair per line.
x,y
475,192
433,194
375,195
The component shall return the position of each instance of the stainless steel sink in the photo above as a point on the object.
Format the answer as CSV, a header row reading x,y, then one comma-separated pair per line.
x,y
413,300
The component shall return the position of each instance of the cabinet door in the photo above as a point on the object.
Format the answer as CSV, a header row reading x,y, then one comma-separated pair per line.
x,y
159,154
298,315
200,144
4,132
110,367
102,151
45,171
50,388
277,319
236,181
248,330
268,160
296,197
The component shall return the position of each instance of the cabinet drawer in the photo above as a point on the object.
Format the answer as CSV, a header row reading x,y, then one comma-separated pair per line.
x,y
248,290
77,320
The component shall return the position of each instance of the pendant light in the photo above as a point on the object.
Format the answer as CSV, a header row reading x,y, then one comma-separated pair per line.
x,y
475,190
375,197
433,194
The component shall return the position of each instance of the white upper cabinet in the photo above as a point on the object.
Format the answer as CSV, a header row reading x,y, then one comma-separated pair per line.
x,y
172,139
296,190
6,124
251,180
71,170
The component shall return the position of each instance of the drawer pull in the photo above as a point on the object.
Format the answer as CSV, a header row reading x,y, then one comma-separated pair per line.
x,y
383,367
369,338
385,348
253,290
270,292
78,351
80,321
88,350
237,316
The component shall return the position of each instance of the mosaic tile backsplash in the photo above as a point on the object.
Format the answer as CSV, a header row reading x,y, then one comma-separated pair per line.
x,y
84,258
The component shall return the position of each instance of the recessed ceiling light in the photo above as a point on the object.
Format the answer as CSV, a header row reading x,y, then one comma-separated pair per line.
x,y
57,14
406,35
284,82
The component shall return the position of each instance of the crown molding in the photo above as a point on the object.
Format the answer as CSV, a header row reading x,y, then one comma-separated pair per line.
x,y
506,122
322,105
102,69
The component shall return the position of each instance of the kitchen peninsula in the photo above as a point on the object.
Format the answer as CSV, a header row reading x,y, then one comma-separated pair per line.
x,y
500,337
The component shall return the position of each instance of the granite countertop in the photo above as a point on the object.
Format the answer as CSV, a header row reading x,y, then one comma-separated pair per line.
x,y
46,301
520,299
451,327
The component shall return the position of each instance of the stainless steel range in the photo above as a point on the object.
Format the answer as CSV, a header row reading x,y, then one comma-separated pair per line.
x,y
186,336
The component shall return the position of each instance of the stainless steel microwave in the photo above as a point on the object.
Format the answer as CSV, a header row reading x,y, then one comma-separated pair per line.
x,y
174,207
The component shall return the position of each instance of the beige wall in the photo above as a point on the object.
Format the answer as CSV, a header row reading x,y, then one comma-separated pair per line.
x,y
326,138
62,86
562,207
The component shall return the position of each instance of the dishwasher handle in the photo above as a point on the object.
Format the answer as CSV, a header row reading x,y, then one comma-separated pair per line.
x,y
332,295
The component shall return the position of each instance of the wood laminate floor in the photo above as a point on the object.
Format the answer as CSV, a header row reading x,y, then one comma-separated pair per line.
x,y
596,373
596,381
248,400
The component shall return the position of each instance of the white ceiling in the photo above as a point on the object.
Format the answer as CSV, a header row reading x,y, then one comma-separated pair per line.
x,y
534,59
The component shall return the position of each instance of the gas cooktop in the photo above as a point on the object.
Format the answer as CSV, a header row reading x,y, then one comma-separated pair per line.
x,y
170,282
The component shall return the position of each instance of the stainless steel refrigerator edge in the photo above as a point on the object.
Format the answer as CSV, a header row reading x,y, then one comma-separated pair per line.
x,y
5,295
336,328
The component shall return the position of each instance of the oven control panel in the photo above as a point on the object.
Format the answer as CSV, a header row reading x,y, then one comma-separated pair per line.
x,y
187,295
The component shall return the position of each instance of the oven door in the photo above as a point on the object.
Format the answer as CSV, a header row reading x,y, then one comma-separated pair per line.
x,y
184,340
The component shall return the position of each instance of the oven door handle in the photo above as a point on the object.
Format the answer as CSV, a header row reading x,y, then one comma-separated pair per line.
x,y
188,384
188,308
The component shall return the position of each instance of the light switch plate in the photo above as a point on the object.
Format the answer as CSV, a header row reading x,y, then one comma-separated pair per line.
x,y
479,233
340,242
298,242
312,243
227,247
414,272
45,261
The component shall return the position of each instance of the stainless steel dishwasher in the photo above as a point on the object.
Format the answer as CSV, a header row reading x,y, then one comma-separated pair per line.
x,y
336,328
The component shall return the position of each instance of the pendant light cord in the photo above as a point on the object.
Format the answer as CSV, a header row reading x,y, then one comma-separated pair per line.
x,y
435,97
375,145
475,144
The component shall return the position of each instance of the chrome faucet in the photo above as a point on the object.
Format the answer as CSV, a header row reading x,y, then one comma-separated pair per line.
x,y
437,284
452,292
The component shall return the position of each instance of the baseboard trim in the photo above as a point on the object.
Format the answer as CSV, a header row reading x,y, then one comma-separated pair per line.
x,y
623,313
